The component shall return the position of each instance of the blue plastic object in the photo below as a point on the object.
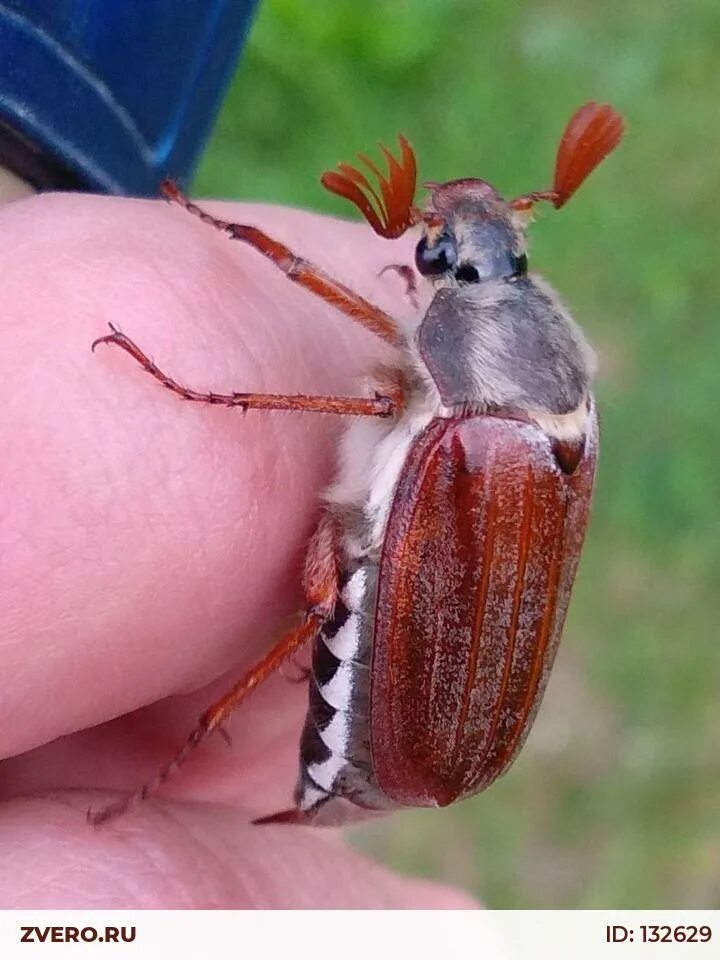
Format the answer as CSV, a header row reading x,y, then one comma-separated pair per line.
x,y
113,95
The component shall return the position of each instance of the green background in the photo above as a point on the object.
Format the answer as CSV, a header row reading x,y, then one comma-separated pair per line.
x,y
615,801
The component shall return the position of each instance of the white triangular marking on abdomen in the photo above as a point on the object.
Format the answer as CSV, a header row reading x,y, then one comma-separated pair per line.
x,y
345,644
336,734
353,592
310,797
338,690
324,773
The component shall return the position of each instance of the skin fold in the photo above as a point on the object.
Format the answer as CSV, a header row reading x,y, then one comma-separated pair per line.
x,y
150,550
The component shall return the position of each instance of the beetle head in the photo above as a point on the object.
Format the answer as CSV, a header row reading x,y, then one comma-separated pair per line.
x,y
491,337
471,233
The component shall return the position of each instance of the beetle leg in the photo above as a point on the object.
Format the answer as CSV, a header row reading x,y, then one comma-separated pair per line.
x,y
300,271
214,718
377,406
321,591
406,272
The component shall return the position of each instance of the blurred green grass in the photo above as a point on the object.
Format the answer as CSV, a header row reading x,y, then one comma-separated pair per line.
x,y
615,801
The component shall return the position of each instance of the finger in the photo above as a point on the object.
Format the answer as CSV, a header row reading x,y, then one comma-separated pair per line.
x,y
189,856
255,773
150,544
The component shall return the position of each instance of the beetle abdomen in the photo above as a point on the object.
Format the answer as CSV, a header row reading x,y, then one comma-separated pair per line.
x,y
336,784
479,557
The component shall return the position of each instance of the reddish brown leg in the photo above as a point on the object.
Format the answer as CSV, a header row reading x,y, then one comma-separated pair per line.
x,y
321,588
214,718
298,270
407,273
378,406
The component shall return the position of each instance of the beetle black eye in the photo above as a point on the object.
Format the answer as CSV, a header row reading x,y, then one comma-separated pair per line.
x,y
467,273
437,259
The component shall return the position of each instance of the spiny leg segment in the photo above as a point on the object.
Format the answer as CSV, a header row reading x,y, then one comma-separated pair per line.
x,y
321,591
378,406
300,271
214,718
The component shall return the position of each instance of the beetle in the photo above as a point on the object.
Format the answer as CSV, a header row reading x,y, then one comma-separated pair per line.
x,y
438,579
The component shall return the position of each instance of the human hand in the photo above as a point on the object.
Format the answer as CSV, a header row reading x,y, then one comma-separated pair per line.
x,y
149,547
